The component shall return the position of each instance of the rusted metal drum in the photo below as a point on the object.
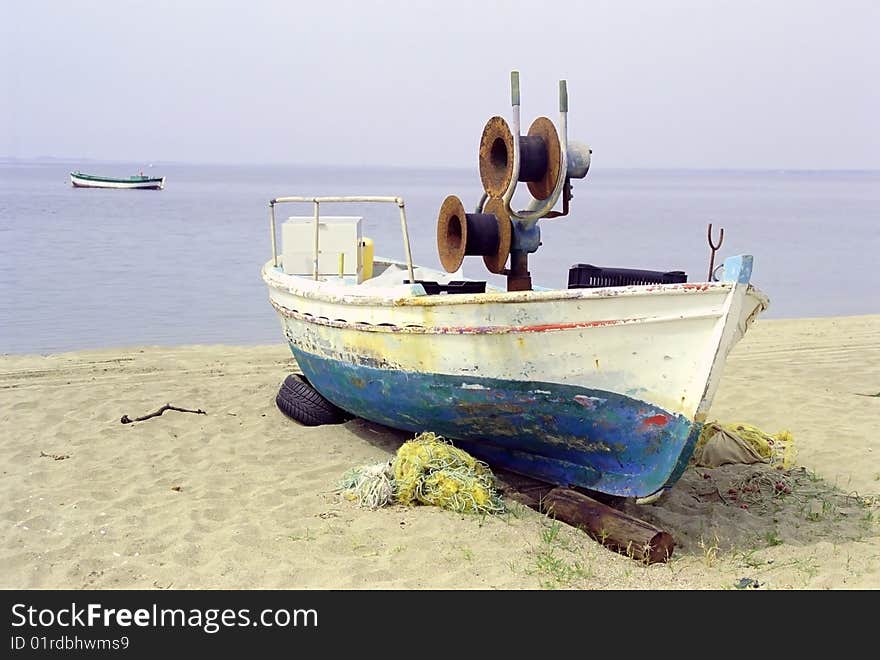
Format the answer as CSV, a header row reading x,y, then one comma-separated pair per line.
x,y
460,234
539,163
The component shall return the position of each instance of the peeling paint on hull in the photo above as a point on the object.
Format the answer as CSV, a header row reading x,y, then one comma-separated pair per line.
x,y
617,446
601,388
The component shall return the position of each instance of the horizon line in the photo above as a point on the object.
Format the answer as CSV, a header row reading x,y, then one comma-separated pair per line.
x,y
680,168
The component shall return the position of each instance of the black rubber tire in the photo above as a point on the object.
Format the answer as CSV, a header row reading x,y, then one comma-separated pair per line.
x,y
304,404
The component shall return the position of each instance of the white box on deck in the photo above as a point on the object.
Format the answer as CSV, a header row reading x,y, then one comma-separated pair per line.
x,y
336,235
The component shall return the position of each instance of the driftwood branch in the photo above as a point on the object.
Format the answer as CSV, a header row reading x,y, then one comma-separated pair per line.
x,y
57,457
126,420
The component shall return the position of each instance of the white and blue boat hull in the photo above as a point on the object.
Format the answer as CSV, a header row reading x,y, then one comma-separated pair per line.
x,y
605,389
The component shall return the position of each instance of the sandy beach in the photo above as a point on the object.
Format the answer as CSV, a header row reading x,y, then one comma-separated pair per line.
x,y
242,497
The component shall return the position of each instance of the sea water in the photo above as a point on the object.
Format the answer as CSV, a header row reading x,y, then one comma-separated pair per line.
x,y
92,268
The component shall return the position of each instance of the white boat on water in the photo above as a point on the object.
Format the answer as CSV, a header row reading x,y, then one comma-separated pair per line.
x,y
138,181
603,385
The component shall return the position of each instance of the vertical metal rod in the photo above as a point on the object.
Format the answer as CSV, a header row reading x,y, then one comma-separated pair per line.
x,y
714,248
315,255
514,103
272,229
514,88
540,208
518,277
409,263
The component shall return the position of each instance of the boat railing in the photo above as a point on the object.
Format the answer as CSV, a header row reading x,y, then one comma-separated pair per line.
x,y
317,201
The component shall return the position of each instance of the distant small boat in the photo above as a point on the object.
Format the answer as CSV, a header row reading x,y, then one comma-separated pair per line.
x,y
140,181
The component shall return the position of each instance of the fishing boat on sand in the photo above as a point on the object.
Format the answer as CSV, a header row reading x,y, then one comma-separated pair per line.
x,y
138,181
604,385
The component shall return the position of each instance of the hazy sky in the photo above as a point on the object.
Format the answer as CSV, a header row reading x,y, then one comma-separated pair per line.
x,y
665,83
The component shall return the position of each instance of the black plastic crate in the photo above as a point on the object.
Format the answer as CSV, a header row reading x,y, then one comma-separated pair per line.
x,y
455,286
587,276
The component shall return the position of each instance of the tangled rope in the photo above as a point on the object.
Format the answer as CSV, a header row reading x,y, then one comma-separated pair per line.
x,y
371,486
766,488
426,470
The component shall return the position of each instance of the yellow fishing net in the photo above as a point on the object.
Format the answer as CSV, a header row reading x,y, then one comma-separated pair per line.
x,y
777,450
429,470
426,470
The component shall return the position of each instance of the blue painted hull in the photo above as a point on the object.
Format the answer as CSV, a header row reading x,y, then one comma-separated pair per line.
x,y
561,434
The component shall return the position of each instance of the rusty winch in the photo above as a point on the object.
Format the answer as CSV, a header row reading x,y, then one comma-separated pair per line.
x,y
545,160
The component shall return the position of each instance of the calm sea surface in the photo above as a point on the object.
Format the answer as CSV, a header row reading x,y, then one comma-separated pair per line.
x,y
103,268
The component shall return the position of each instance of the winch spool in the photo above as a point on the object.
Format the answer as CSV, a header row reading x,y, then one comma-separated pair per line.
x,y
540,157
496,261
546,160
461,234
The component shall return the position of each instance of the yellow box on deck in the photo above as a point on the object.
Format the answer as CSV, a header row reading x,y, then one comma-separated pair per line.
x,y
366,258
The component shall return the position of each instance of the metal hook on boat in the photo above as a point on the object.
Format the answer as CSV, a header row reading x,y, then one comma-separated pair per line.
x,y
714,249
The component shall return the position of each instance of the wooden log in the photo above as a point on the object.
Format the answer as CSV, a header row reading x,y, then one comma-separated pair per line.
x,y
611,527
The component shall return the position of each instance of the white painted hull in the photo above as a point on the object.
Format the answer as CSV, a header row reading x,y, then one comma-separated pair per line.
x,y
659,343
149,184
603,388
